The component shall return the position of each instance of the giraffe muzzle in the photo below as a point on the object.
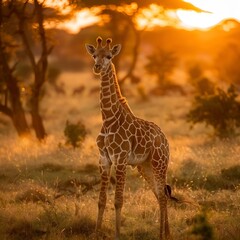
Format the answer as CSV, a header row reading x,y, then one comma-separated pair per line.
x,y
97,68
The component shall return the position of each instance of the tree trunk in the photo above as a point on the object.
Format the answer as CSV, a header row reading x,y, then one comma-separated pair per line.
x,y
19,120
18,114
15,111
39,66
37,122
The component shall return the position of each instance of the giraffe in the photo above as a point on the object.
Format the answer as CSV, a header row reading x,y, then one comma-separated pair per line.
x,y
124,140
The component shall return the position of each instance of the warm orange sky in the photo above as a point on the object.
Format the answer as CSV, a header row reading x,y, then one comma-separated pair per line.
x,y
218,10
215,12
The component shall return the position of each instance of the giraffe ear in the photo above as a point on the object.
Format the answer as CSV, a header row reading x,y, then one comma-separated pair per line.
x,y
90,48
116,49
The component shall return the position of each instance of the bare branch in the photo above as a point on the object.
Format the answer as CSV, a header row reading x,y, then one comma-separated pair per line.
x,y
22,32
50,50
42,63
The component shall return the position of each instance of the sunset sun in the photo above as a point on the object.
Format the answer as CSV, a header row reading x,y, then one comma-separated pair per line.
x,y
215,12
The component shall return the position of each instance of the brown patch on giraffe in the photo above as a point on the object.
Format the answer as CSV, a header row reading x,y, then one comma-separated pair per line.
x,y
125,146
132,129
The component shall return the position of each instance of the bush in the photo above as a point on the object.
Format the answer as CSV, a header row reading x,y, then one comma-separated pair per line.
x,y
220,110
201,227
75,133
232,173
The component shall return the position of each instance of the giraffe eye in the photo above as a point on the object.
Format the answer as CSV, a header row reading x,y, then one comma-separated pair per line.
x,y
109,57
94,56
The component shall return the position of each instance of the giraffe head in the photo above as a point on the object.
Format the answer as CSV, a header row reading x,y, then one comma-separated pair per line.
x,y
102,55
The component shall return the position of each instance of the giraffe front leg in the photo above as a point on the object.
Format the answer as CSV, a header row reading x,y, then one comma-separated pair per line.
x,y
105,168
120,182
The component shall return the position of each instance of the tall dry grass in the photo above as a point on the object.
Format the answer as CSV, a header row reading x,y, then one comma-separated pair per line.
x,y
42,191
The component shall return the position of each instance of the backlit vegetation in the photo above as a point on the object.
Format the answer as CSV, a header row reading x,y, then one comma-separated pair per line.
x,y
75,133
220,110
49,190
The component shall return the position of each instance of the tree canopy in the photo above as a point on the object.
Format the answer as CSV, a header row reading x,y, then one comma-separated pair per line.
x,y
173,4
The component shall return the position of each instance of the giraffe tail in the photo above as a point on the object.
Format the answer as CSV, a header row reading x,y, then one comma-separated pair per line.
x,y
168,192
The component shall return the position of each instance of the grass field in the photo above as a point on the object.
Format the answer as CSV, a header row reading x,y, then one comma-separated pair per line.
x,y
50,191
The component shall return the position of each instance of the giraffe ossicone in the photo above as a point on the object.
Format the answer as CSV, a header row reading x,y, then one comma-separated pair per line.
x,y
124,140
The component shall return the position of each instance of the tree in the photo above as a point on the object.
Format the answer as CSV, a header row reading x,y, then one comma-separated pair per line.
x,y
22,30
9,85
220,110
122,23
161,63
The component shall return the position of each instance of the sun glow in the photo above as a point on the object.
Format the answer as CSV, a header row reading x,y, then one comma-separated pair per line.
x,y
216,11
80,20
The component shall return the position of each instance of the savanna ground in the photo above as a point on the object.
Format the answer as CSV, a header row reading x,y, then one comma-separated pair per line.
x,y
50,191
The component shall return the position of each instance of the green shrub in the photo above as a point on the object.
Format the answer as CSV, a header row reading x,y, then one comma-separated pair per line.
x,y
75,133
220,110
232,173
192,175
201,227
189,175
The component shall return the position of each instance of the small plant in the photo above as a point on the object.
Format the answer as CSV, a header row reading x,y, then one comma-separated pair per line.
x,y
220,110
75,133
201,227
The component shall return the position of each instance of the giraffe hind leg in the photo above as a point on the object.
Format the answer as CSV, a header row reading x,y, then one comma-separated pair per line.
x,y
146,172
164,226
160,186
161,192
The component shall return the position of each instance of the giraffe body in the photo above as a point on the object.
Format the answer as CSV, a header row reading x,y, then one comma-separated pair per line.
x,y
126,140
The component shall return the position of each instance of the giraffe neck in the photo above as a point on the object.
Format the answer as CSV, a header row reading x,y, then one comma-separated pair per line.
x,y
112,102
